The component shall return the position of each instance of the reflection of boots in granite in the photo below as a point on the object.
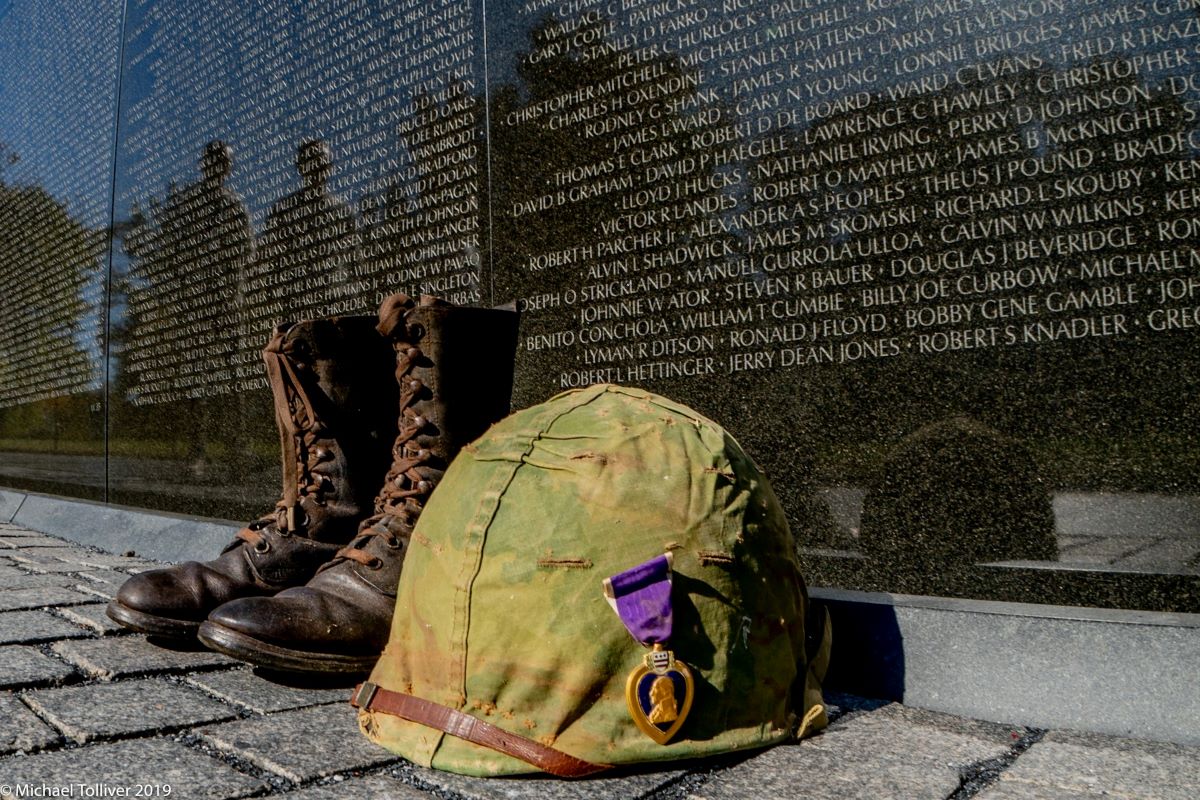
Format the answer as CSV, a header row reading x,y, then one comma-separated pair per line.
x,y
335,408
454,366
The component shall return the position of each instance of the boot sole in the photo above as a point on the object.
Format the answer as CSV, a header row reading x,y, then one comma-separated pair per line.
x,y
281,659
150,624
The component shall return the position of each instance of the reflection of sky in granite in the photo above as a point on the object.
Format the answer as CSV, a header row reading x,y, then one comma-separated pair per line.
x,y
58,74
263,79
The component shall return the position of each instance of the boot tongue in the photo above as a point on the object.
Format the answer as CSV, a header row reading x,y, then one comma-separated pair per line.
x,y
294,414
391,313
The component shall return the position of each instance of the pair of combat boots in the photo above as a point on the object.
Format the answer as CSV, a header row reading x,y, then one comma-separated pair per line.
x,y
311,587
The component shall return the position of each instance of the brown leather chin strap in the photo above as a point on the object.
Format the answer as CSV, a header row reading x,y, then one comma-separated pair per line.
x,y
369,697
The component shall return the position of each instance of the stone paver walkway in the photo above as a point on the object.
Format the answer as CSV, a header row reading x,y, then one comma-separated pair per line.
x,y
88,710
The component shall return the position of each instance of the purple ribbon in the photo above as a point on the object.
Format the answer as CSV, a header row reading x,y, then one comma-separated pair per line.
x,y
643,599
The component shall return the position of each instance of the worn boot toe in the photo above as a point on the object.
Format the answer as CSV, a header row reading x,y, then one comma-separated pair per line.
x,y
163,602
299,630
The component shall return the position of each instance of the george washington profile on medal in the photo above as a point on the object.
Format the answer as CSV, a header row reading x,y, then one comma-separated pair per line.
x,y
662,695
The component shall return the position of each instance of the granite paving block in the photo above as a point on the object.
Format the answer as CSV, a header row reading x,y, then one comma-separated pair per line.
x,y
101,582
157,762
24,540
376,786
92,617
300,745
799,772
103,575
21,729
26,666
895,736
17,599
41,580
61,553
86,713
1034,791
1123,744
94,559
544,788
243,687
118,657
1122,767
26,561
996,732
28,627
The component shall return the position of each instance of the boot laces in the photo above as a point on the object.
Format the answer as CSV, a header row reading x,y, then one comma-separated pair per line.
x,y
299,427
405,489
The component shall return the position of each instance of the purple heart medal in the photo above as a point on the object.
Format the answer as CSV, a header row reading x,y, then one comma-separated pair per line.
x,y
659,691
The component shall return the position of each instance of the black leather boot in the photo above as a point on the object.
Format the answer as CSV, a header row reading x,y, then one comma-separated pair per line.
x,y
335,407
454,367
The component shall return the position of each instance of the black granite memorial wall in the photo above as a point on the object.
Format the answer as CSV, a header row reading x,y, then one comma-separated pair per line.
x,y
934,263
55,210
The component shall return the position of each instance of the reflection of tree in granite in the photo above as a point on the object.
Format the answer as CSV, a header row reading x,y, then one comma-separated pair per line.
x,y
311,243
1079,392
190,261
952,495
47,377
424,235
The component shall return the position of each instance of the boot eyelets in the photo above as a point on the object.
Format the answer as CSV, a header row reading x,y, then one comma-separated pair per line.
x,y
262,546
393,543
416,332
375,563
425,487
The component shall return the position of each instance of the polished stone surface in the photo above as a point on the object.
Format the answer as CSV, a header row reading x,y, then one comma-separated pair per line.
x,y
833,227
154,731
1030,664
56,163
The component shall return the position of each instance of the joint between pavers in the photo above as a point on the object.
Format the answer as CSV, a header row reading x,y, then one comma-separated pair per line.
x,y
983,774
17,512
244,766
62,740
685,785
405,774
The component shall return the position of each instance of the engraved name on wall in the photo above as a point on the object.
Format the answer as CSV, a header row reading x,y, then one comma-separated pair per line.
x,y
703,189
55,191
280,163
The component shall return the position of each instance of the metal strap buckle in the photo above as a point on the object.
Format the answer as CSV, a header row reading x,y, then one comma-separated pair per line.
x,y
364,694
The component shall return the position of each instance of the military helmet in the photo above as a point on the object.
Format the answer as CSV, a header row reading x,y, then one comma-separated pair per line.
x,y
505,654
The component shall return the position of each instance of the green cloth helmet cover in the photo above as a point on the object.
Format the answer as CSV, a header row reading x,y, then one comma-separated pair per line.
x,y
501,612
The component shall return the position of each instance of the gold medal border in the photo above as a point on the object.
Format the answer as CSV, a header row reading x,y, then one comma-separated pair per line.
x,y
641,719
